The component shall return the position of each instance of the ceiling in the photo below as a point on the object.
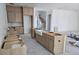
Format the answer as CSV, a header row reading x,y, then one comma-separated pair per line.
x,y
68,6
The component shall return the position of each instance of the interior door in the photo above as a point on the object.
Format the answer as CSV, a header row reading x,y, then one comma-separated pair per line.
x,y
27,24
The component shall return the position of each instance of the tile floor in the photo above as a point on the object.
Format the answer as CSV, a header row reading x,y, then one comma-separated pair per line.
x,y
34,48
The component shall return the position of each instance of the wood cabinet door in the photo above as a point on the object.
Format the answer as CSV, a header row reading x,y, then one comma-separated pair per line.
x,y
18,14
46,41
42,41
33,33
14,14
51,44
27,11
38,38
58,44
11,14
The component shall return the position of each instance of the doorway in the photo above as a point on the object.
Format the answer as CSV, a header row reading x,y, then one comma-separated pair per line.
x,y
27,24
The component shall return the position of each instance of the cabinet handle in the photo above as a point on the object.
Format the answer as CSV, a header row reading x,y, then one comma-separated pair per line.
x,y
59,41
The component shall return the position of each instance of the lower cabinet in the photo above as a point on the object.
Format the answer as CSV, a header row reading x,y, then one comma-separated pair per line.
x,y
54,44
33,34
39,38
51,44
48,42
45,41
58,44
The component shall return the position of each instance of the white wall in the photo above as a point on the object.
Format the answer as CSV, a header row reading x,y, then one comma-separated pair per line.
x,y
27,24
36,15
78,20
3,22
64,20
35,18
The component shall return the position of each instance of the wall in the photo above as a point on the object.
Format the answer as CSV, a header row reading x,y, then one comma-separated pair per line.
x,y
35,18
35,15
41,25
64,20
78,20
3,22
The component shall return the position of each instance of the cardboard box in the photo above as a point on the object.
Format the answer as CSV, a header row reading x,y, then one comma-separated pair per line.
x,y
13,30
13,44
19,29
12,38
14,51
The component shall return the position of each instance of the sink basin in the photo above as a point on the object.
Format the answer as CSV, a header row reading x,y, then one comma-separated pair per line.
x,y
39,32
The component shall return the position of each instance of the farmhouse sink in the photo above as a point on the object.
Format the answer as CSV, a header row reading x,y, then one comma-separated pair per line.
x,y
39,32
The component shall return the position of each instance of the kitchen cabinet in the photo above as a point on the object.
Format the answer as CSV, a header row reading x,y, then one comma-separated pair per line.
x,y
54,42
58,44
33,34
51,43
39,38
27,11
18,14
46,40
14,14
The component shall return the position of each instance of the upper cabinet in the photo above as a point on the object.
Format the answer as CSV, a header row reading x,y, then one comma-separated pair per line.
x,y
27,11
14,14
